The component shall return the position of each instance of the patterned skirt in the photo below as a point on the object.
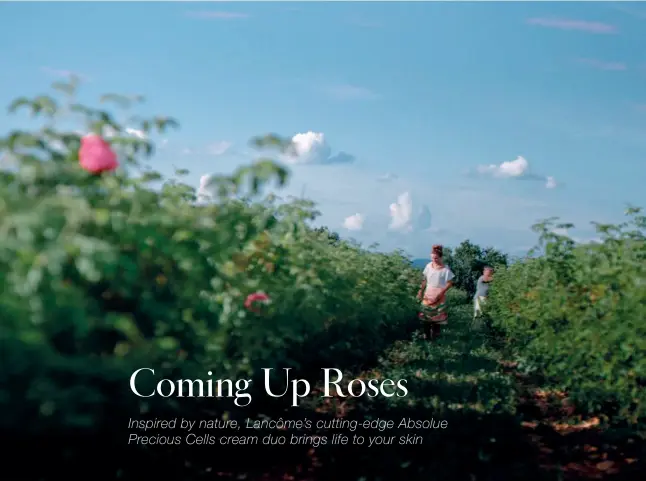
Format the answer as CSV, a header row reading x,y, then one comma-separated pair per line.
x,y
434,312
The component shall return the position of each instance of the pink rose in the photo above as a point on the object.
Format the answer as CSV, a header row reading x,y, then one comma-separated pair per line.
x,y
96,155
254,298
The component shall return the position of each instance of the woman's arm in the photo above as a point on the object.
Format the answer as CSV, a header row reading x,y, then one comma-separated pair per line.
x,y
449,282
420,294
447,287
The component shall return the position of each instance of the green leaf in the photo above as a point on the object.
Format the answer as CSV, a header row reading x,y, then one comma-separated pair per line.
x,y
102,216
18,103
168,343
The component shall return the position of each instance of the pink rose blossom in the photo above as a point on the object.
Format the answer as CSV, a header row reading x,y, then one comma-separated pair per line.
x,y
253,298
96,155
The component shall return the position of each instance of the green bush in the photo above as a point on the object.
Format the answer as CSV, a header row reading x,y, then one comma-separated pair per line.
x,y
457,297
103,274
468,260
577,315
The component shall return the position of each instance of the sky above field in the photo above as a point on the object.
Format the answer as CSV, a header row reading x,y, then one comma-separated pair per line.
x,y
415,123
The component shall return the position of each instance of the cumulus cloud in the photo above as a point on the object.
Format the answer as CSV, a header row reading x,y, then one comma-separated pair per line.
x,y
401,213
403,217
203,193
510,168
353,222
518,168
313,148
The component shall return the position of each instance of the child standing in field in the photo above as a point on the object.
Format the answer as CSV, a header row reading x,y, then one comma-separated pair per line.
x,y
480,297
438,279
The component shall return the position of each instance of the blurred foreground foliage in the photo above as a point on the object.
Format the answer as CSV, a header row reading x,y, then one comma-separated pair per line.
x,y
103,275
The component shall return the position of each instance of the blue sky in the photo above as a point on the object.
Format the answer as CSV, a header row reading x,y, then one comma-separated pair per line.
x,y
406,109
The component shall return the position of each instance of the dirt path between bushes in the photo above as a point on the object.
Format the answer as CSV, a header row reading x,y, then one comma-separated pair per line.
x,y
573,446
502,425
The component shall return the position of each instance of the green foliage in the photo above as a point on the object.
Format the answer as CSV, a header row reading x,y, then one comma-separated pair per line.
x,y
102,275
457,297
577,315
467,262
332,237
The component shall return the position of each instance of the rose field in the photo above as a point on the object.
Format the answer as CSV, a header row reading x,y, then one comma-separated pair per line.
x,y
107,267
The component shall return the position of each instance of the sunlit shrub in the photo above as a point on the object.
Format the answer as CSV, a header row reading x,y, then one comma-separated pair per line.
x,y
578,313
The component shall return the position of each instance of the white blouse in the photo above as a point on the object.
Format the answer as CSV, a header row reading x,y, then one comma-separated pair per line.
x,y
437,278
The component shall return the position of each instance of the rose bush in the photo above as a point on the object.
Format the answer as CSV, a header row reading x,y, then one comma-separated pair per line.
x,y
107,267
576,314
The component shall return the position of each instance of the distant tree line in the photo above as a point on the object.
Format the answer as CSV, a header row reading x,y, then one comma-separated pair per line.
x,y
467,260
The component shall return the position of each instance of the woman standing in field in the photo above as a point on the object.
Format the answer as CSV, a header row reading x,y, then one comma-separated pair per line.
x,y
437,281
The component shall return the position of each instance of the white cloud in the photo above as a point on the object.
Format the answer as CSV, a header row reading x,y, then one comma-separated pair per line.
x,y
404,218
353,222
203,189
487,216
140,134
109,132
518,168
401,213
586,239
511,168
312,148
